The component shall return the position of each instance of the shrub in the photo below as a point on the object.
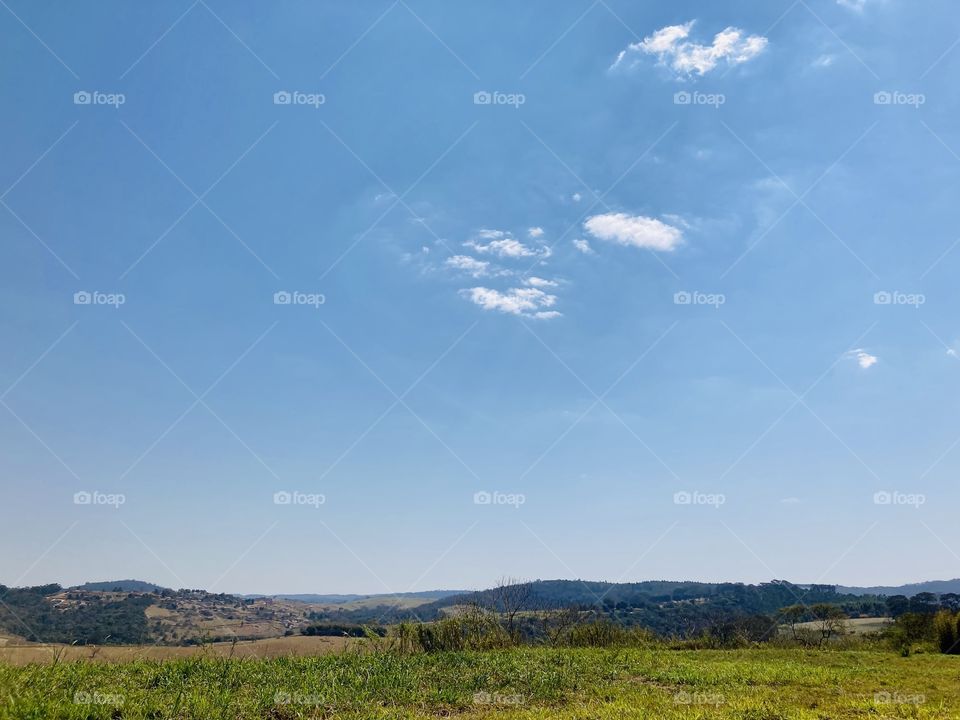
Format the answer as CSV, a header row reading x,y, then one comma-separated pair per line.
x,y
946,630
473,629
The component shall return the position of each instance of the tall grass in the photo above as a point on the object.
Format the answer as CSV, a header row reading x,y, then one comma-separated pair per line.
x,y
568,683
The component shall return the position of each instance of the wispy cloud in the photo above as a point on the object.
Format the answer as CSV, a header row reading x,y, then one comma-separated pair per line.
x,y
635,231
674,50
504,245
526,302
864,359
535,232
583,246
855,5
467,264
539,282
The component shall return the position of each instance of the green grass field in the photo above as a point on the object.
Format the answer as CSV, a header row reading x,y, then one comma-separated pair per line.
x,y
756,684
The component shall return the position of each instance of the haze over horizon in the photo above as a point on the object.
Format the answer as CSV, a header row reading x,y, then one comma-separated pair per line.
x,y
398,296
481,586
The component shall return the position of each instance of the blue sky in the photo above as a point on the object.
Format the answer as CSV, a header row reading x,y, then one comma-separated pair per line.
x,y
612,291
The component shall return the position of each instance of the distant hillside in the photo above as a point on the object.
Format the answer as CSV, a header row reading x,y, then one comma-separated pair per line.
x,y
934,586
387,598
121,585
666,607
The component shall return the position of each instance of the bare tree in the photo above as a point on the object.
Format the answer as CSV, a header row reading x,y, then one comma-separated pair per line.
x,y
558,623
510,597
831,620
794,616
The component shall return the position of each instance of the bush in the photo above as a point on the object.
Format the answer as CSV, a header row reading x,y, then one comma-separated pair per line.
x,y
474,629
606,633
946,631
331,630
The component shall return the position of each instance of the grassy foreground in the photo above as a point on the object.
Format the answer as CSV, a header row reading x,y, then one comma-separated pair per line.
x,y
757,684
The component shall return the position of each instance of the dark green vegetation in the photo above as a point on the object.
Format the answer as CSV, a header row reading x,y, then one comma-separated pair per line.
x,y
33,614
667,608
342,631
600,684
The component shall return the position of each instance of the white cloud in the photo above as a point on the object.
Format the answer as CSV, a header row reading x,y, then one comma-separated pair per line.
x,y
855,5
541,282
864,359
504,245
824,61
583,246
634,230
576,197
791,501
525,302
674,50
465,263
535,232
953,353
